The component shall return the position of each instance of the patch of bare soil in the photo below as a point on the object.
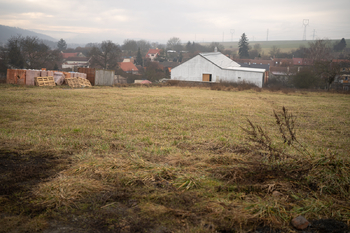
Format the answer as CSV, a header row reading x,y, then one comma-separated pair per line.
x,y
20,170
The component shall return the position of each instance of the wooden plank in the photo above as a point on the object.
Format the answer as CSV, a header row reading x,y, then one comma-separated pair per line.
x,y
72,82
78,82
45,81
84,82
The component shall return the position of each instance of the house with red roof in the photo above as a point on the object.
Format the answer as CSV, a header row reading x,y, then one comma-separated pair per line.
x,y
302,62
128,67
67,55
152,53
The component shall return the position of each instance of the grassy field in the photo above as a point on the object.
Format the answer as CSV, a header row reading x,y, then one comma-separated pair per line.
x,y
285,46
169,159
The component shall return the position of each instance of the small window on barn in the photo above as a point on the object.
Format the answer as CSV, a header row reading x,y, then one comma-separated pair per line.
x,y
239,77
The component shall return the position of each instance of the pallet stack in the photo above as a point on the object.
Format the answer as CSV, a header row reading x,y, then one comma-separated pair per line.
x,y
45,81
78,82
44,78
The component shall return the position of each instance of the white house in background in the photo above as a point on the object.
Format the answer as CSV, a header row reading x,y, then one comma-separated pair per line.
x,y
216,67
72,62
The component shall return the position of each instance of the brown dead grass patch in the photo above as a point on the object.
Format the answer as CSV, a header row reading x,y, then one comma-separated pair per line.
x,y
169,159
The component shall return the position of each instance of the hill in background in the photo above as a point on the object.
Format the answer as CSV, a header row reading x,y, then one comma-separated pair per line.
x,y
284,46
7,32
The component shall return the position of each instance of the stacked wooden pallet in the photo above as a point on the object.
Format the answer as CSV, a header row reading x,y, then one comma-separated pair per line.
x,y
72,82
84,82
78,82
44,81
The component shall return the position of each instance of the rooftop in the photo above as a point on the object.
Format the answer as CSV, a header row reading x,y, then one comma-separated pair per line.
x,y
128,66
220,60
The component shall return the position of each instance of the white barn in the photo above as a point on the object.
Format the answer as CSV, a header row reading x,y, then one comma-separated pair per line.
x,y
216,67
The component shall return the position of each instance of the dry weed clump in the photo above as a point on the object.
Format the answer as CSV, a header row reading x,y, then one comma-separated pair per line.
x,y
276,186
286,124
229,86
64,191
328,173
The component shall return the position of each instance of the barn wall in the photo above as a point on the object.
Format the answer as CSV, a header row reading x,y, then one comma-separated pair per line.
x,y
193,70
242,76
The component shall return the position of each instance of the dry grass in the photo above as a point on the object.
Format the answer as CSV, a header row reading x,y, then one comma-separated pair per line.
x,y
133,159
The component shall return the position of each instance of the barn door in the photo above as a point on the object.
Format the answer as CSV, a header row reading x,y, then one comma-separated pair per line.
x,y
206,78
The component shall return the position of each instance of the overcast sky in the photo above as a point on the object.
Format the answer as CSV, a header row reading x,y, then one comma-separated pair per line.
x,y
190,20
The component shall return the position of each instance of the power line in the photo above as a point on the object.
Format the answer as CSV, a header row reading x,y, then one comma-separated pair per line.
x,y
305,23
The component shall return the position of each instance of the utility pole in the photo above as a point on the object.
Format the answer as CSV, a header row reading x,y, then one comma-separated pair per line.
x,y
305,23
267,35
232,32
313,36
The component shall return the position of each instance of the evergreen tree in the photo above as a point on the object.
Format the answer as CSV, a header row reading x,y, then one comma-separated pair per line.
x,y
180,57
243,47
62,45
340,46
139,58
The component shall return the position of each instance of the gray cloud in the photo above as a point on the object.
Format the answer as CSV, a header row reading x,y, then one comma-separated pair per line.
x,y
157,20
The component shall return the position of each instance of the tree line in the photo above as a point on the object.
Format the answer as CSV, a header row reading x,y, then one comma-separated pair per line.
x,y
32,53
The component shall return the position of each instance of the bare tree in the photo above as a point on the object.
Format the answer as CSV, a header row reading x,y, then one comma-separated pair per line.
x,y
275,51
319,53
144,46
256,51
31,53
319,50
13,49
174,43
130,46
4,60
327,71
219,47
105,56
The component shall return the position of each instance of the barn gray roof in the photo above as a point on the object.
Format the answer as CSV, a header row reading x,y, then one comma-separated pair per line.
x,y
220,60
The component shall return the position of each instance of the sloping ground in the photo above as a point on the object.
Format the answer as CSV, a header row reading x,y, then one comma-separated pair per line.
x,y
168,159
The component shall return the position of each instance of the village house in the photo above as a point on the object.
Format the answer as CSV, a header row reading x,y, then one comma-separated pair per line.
x,y
152,53
128,67
72,62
